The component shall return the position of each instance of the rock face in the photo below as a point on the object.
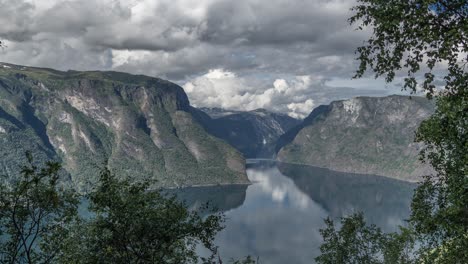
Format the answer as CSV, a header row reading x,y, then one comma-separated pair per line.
x,y
362,135
253,133
140,127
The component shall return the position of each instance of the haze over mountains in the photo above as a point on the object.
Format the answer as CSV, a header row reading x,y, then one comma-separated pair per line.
x,y
254,133
144,127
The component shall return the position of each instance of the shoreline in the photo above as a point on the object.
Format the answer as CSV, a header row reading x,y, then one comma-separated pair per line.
x,y
207,185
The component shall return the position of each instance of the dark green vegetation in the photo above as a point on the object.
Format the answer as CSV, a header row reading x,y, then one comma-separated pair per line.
x,y
356,242
253,133
39,223
139,127
430,32
34,215
363,135
415,36
132,225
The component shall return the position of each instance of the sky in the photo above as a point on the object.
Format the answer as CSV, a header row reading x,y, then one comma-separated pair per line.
x,y
282,55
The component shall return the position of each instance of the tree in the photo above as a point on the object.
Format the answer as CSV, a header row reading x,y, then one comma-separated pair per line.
x,y
440,204
125,223
357,243
415,35
34,215
129,224
419,35
350,244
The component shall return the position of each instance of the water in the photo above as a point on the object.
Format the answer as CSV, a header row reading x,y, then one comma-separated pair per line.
x,y
278,217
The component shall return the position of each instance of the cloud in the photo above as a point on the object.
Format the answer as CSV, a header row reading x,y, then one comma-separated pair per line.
x,y
236,35
268,54
300,110
221,88
15,16
295,95
278,22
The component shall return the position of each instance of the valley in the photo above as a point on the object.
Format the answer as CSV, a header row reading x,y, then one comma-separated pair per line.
x,y
258,167
143,127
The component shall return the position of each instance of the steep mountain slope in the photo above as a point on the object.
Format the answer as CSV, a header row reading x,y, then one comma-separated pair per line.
x,y
253,133
136,125
362,135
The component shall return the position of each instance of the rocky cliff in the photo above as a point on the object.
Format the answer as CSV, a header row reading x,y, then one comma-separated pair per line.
x,y
138,126
362,135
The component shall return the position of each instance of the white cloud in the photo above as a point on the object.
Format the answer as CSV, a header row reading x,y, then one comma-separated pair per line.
x,y
221,88
280,85
296,96
300,110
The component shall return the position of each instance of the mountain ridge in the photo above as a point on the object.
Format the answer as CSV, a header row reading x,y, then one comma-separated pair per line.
x,y
366,135
138,126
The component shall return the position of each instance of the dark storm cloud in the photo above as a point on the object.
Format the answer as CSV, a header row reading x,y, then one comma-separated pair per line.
x,y
79,18
171,28
15,18
276,22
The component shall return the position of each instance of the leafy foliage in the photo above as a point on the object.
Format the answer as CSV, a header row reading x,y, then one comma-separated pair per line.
x,y
125,223
355,242
350,244
440,204
410,34
133,225
34,215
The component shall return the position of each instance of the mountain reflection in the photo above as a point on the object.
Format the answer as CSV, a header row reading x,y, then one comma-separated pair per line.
x,y
218,198
278,217
385,201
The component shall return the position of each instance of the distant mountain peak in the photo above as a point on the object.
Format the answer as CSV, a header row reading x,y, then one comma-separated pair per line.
x,y
254,133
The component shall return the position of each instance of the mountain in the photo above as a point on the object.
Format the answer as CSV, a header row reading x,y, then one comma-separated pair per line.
x,y
138,126
216,112
366,135
254,133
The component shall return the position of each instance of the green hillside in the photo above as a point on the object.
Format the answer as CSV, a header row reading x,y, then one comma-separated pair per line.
x,y
368,135
137,125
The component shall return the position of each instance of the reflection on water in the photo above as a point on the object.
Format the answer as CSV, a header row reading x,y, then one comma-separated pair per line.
x,y
222,198
281,213
385,201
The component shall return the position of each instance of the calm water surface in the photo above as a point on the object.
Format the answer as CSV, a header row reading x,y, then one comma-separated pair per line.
x,y
278,217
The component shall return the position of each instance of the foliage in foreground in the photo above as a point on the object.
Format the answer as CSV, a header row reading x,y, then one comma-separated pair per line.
x,y
124,223
34,215
440,203
133,225
412,34
356,242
